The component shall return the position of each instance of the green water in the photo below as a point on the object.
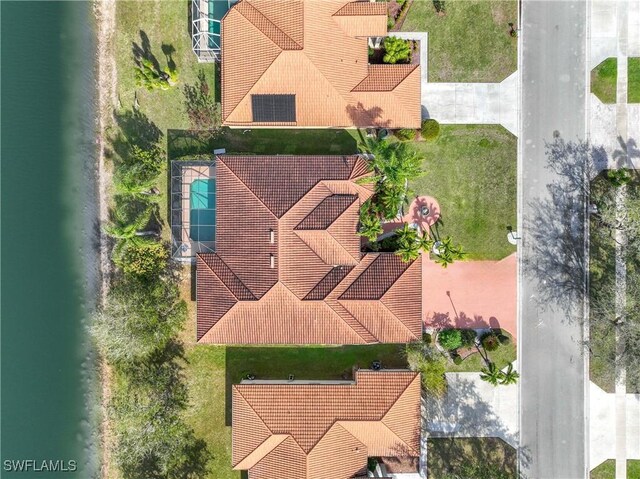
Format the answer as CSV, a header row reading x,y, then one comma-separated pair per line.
x,y
49,264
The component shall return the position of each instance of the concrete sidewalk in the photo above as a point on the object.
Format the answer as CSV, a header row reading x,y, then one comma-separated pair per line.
x,y
473,103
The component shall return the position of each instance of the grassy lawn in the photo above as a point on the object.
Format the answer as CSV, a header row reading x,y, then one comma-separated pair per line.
x,y
607,470
471,171
505,354
162,23
445,456
603,80
185,144
471,42
633,78
211,370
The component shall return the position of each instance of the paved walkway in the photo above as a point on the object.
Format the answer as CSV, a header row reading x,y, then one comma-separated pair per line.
x,y
470,294
474,408
602,414
473,103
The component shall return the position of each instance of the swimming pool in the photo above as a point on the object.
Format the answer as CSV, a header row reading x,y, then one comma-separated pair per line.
x,y
217,10
202,217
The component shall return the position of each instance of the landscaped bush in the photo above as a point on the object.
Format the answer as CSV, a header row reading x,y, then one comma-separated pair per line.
x,y
450,339
430,129
426,338
405,134
144,258
430,364
457,359
396,50
490,341
468,337
504,339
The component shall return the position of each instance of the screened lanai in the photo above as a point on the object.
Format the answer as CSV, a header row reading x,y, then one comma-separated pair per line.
x,y
206,16
193,208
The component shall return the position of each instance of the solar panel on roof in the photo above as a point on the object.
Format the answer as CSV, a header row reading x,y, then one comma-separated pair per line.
x,y
273,108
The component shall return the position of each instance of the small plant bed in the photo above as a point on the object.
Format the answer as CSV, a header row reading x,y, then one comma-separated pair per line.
x,y
604,80
466,357
607,470
633,80
397,11
471,458
395,50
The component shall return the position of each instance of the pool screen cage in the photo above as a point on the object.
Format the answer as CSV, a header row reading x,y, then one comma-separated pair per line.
x,y
187,238
206,17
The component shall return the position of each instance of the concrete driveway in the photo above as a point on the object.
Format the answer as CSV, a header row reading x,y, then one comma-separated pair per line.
x,y
474,408
471,294
473,103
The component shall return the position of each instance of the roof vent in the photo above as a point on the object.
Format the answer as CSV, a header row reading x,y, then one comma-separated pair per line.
x,y
272,236
273,260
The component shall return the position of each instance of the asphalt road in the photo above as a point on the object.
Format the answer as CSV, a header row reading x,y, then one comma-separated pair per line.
x,y
552,386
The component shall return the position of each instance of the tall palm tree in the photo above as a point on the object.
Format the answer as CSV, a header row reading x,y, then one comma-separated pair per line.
x,y
132,186
126,231
510,376
491,374
448,253
408,242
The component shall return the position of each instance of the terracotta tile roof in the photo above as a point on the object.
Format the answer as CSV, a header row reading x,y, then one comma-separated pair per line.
x,y
273,280
335,426
384,77
264,43
363,8
323,215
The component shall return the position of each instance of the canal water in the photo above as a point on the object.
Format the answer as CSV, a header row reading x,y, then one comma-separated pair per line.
x,y
49,264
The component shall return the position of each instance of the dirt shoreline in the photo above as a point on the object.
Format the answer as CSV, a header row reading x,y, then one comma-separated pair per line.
x,y
106,83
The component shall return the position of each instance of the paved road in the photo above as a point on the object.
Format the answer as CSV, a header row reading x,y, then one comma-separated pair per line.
x,y
552,417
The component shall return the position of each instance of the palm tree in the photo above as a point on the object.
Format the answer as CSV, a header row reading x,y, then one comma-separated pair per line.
x,y
447,253
370,226
130,185
491,374
396,50
127,232
409,243
510,376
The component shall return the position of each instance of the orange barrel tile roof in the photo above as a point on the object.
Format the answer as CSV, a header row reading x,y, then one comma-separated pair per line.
x,y
288,267
317,51
325,430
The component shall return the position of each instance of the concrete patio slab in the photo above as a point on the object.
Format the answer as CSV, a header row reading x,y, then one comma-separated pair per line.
x,y
470,294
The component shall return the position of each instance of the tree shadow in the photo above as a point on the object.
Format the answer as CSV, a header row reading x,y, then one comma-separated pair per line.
x,y
362,117
143,51
557,227
464,413
168,51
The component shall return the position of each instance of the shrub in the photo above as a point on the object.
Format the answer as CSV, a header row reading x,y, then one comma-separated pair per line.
x,y
426,338
372,463
142,258
457,359
430,129
504,339
405,134
450,339
484,143
396,50
619,177
430,364
393,8
202,109
468,337
490,342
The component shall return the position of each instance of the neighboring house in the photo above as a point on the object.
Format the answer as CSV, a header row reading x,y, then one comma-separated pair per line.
x,y
306,64
288,266
325,430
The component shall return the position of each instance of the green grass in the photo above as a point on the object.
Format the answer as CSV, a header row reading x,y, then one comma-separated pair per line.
x,y
445,456
604,79
471,172
163,22
501,357
471,42
211,370
184,144
607,470
633,79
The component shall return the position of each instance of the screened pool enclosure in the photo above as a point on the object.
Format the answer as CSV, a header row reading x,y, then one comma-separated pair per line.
x,y
206,28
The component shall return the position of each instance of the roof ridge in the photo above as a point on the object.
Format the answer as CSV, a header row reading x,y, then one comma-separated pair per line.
x,y
222,279
352,316
235,386
394,316
219,157
249,6
376,68
411,383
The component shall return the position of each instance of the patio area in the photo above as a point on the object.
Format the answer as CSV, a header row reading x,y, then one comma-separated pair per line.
x,y
470,294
